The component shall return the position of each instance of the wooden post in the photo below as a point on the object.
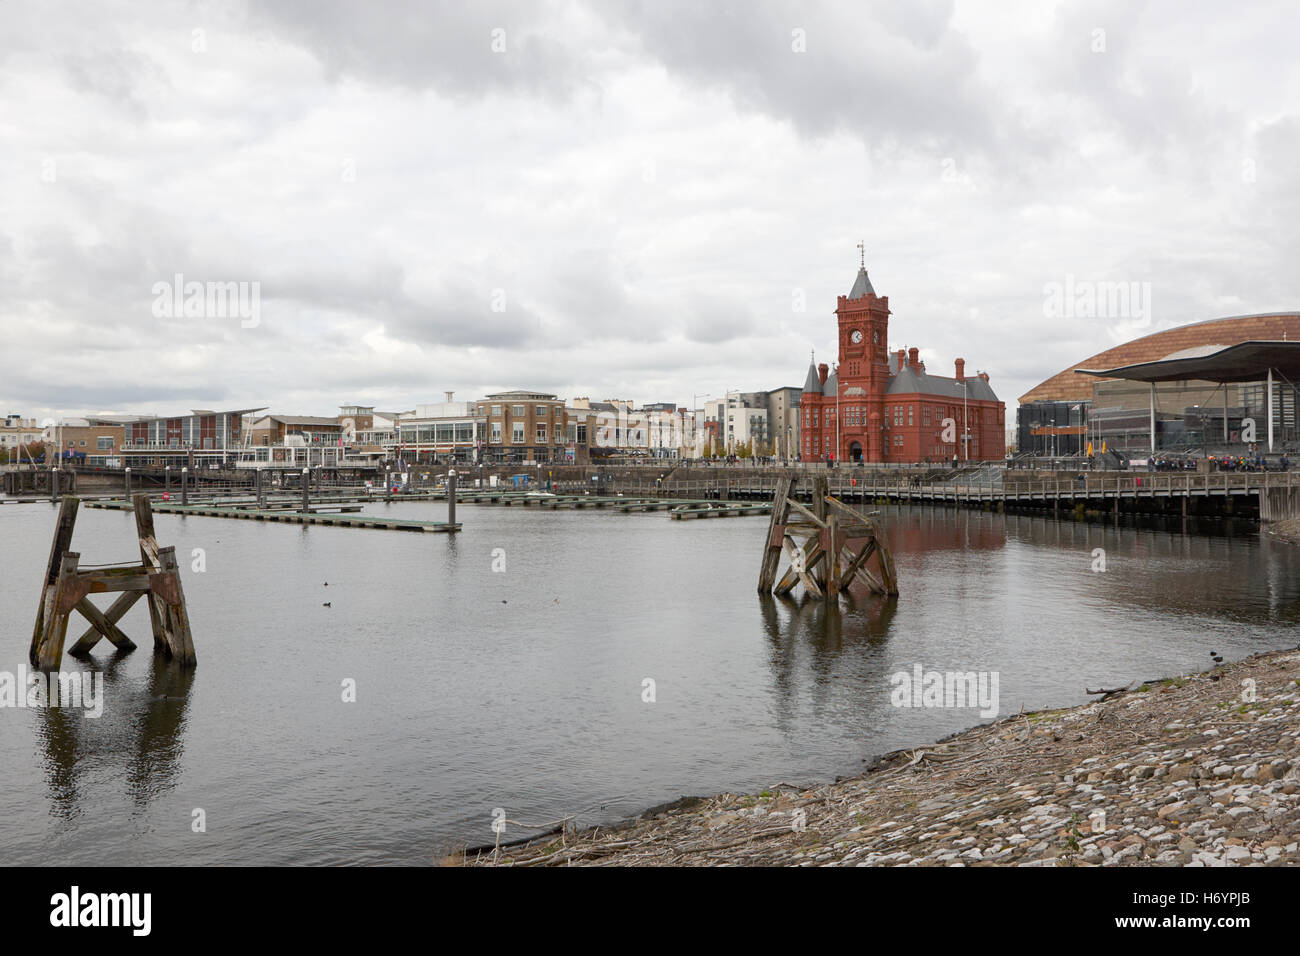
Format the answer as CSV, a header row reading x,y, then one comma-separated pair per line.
x,y
185,486
179,643
127,474
59,603
831,564
54,485
306,490
67,521
775,536
149,556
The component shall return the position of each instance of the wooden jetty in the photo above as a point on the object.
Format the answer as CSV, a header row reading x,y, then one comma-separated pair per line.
x,y
313,516
67,587
718,509
837,543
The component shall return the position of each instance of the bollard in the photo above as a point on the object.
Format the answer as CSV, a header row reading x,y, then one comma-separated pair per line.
x,y
451,496
185,486
127,473
306,489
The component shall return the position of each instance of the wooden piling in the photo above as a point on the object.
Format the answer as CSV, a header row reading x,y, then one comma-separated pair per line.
x,y
775,536
837,544
66,589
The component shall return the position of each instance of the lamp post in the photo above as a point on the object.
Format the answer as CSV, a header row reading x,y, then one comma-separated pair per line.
x,y
837,412
965,432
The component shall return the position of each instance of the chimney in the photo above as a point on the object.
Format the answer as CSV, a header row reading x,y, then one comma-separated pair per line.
x,y
822,371
984,375
913,357
901,354
961,370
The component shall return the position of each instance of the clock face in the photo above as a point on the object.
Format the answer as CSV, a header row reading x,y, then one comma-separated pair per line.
x,y
856,337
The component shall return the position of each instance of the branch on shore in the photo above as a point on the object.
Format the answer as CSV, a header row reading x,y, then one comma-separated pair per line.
x,y
1107,692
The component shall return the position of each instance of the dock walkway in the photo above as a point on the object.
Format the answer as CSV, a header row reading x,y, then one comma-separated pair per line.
x,y
313,516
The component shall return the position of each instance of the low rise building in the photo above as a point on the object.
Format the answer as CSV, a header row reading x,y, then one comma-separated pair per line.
x,y
441,432
523,426
212,438
16,435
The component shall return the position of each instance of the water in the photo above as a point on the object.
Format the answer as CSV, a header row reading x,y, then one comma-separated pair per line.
x,y
522,689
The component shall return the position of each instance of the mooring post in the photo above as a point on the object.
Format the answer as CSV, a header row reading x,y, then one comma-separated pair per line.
x,y
167,480
127,474
451,496
388,484
261,489
58,548
185,486
306,489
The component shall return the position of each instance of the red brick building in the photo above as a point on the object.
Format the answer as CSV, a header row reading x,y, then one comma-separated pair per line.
x,y
883,406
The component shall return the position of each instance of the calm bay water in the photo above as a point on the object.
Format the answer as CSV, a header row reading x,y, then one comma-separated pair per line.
x,y
522,689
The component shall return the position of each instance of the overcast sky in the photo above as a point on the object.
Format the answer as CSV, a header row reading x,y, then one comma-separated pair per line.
x,y
620,199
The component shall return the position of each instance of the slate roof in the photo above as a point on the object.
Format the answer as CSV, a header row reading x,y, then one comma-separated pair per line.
x,y
861,286
909,380
811,383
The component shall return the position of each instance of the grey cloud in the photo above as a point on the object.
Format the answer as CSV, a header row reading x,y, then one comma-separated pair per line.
x,y
439,43
894,72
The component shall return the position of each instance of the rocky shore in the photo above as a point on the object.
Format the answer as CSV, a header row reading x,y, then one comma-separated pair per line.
x,y
1288,530
1202,770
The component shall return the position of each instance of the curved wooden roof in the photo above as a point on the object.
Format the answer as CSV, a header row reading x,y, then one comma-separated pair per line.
x,y
1071,385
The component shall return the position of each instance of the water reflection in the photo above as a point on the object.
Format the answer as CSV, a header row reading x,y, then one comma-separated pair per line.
x,y
139,736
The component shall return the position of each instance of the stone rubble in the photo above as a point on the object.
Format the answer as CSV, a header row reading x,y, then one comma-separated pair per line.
x,y
1182,772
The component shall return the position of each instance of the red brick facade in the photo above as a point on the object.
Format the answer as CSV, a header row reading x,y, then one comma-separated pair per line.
x,y
883,407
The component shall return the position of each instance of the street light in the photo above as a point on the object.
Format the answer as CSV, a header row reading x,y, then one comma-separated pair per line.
x,y
965,428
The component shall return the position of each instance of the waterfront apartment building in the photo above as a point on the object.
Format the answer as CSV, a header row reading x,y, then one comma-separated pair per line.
x,y
92,442
524,426
17,432
582,428
740,423
441,432
279,430
783,421
213,438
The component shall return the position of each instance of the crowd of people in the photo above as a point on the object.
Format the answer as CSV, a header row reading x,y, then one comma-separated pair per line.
x,y
1166,463
1252,462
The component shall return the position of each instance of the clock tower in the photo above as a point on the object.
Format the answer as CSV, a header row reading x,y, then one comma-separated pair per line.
x,y
863,373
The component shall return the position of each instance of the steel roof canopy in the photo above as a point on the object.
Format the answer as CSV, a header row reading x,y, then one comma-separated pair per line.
x,y
1243,362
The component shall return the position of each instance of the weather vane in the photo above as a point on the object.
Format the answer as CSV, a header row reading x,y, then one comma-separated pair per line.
x,y
862,252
